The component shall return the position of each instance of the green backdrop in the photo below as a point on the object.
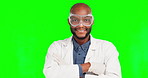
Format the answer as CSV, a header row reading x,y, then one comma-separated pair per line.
x,y
28,28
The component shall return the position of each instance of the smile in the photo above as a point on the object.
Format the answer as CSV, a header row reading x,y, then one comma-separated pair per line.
x,y
80,30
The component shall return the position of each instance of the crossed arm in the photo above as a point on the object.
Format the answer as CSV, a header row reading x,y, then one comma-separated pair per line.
x,y
55,68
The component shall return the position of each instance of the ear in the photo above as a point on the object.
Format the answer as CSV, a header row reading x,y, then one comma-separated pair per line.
x,y
93,22
68,21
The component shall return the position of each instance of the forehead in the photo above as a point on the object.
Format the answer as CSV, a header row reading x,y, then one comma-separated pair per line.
x,y
81,10
80,17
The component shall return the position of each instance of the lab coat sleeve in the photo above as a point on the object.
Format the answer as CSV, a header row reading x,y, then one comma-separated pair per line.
x,y
52,69
112,66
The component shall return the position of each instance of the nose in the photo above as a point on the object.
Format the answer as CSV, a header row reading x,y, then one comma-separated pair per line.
x,y
81,26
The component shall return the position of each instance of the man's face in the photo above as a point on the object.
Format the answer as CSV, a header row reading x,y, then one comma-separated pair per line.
x,y
81,31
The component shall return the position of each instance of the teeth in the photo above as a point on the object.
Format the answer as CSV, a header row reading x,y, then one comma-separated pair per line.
x,y
81,30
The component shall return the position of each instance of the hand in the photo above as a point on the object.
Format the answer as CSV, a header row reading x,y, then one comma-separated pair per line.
x,y
97,68
85,67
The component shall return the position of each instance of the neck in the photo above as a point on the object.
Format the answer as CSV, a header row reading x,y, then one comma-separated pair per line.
x,y
82,41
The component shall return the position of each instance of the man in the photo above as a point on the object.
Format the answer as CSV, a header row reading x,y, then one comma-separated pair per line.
x,y
82,56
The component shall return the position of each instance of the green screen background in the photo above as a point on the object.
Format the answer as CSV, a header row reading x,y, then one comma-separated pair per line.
x,y
28,28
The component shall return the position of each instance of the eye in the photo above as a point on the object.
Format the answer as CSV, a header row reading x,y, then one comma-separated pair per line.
x,y
86,20
74,20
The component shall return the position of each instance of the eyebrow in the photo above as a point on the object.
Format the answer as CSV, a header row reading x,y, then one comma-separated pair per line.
x,y
75,17
87,17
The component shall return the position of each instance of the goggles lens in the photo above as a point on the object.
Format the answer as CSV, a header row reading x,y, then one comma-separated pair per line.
x,y
85,20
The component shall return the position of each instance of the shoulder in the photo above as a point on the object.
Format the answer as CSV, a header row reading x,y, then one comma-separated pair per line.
x,y
105,46
101,42
61,42
56,46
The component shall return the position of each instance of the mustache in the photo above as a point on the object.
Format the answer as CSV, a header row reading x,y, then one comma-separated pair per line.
x,y
78,28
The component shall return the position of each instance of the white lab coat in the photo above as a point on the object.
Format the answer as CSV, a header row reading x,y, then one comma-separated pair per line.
x,y
59,59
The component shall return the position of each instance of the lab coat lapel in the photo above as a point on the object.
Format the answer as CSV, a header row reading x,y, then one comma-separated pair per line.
x,y
68,51
91,50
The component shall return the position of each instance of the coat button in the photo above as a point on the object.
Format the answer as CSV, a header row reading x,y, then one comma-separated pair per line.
x,y
65,45
93,50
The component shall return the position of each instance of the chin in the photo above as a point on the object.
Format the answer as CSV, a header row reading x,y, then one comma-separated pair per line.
x,y
81,36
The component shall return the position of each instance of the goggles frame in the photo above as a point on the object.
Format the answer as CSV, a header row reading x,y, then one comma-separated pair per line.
x,y
81,20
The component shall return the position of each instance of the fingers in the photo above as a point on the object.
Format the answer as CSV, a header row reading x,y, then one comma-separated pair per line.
x,y
85,67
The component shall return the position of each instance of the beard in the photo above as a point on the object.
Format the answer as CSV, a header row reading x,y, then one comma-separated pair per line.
x,y
81,38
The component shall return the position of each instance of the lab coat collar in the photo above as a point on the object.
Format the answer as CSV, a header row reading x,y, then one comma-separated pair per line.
x,y
84,46
69,45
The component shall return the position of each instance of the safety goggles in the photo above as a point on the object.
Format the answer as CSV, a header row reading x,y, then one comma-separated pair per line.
x,y
76,20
